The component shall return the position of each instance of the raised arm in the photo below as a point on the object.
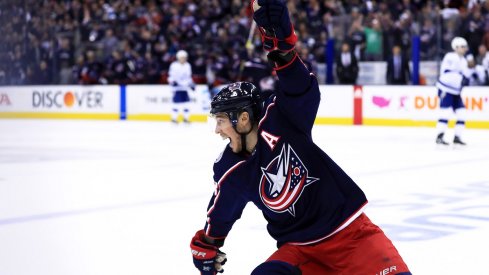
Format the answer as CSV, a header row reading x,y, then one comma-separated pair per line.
x,y
298,91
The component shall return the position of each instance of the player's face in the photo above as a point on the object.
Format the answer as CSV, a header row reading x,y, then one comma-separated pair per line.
x,y
225,129
461,50
182,60
223,125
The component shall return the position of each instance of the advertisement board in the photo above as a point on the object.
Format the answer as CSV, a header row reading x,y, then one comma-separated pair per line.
x,y
340,104
93,102
154,102
419,106
336,106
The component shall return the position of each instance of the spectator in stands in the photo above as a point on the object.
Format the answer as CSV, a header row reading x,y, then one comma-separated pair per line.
x,y
397,68
42,74
427,39
485,62
401,33
65,61
91,71
473,30
16,63
357,39
118,70
151,70
34,52
317,50
219,68
214,30
77,70
199,65
391,31
485,38
373,38
481,54
109,43
255,69
346,65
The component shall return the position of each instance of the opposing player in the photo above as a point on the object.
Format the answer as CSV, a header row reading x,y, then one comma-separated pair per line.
x,y
180,78
455,73
313,208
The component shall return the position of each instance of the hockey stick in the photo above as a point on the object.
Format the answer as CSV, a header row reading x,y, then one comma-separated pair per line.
x,y
249,43
249,47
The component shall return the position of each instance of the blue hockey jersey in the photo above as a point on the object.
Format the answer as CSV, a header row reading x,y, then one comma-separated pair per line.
x,y
303,194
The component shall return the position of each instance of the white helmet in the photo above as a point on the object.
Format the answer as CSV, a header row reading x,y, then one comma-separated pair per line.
x,y
458,42
182,54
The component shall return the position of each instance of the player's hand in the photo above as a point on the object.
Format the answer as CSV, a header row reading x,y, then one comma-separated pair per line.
x,y
272,16
192,87
174,83
208,259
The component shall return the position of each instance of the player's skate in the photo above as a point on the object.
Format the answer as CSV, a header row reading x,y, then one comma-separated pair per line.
x,y
439,139
458,141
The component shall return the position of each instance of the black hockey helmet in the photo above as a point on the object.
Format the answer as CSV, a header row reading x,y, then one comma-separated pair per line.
x,y
236,98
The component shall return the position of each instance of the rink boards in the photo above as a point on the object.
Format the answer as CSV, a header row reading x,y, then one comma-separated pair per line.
x,y
342,105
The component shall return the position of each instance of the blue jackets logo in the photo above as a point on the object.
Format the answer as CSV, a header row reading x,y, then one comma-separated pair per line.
x,y
283,181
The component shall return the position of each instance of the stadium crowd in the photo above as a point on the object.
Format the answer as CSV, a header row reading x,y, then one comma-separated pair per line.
x,y
135,41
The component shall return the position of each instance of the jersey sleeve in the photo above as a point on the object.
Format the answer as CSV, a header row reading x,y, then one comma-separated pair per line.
x,y
298,95
469,72
228,201
225,208
171,73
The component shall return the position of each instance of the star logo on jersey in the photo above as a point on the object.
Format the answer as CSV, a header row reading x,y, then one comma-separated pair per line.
x,y
283,181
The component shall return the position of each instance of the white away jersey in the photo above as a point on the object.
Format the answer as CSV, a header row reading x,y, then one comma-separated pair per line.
x,y
454,73
181,74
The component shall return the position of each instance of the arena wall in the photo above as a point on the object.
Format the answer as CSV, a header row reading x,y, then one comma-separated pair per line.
x,y
343,105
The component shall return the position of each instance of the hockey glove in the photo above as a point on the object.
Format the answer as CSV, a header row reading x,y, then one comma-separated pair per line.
x,y
279,60
208,259
277,32
174,83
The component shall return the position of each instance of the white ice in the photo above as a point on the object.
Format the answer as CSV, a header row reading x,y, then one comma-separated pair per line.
x,y
125,197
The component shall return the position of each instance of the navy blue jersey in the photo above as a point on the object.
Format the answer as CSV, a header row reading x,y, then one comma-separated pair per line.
x,y
303,194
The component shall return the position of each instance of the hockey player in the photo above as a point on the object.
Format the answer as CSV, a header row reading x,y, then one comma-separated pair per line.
x,y
313,208
180,78
455,73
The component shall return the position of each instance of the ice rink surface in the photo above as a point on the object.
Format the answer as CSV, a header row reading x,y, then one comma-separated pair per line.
x,y
123,197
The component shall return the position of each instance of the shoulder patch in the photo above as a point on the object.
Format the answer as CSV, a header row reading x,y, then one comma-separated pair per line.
x,y
219,157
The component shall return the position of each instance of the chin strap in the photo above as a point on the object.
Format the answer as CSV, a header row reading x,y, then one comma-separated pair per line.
x,y
243,144
243,140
